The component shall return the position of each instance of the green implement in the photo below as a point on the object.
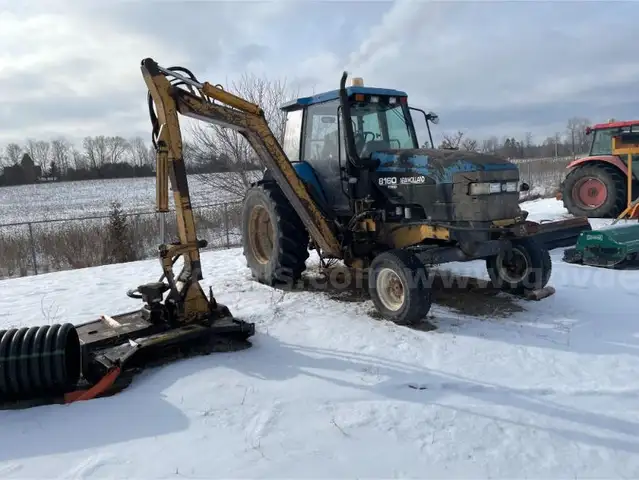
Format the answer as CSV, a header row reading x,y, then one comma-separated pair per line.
x,y
614,246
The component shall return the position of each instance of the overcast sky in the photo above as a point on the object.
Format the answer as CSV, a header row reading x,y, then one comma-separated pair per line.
x,y
72,67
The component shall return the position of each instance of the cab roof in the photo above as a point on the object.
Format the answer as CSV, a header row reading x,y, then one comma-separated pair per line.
x,y
303,102
601,126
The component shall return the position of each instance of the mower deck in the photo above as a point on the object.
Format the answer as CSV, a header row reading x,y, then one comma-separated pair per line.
x,y
613,246
111,351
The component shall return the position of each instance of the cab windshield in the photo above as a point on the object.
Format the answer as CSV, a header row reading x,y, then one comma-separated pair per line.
x,y
602,139
384,124
602,142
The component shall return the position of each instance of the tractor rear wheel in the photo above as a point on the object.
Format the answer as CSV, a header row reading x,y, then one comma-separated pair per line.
x,y
595,190
399,286
274,239
527,266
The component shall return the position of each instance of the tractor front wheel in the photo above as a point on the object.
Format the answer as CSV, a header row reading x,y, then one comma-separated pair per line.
x,y
275,240
399,286
595,191
526,266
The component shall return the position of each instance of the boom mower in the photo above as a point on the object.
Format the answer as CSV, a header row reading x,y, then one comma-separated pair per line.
x,y
66,363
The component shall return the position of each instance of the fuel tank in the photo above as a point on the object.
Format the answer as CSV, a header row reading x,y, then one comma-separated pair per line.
x,y
449,185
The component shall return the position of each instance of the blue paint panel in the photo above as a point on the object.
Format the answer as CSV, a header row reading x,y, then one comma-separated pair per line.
x,y
438,170
308,176
334,95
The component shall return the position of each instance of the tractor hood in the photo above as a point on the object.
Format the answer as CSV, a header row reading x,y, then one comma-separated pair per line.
x,y
439,166
439,183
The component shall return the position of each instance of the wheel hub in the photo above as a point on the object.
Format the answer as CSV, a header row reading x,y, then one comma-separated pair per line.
x,y
590,192
390,289
260,234
513,266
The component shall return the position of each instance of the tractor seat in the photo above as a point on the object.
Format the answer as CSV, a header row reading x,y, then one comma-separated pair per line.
x,y
374,146
153,291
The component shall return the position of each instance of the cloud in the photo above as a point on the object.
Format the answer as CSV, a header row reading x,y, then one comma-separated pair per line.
x,y
504,68
62,73
533,63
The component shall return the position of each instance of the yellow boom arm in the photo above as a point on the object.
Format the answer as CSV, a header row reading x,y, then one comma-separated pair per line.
x,y
211,104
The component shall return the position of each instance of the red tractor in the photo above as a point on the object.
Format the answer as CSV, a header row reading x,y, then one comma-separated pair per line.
x,y
601,185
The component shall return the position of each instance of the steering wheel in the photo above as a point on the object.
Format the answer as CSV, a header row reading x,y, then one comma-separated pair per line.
x,y
365,134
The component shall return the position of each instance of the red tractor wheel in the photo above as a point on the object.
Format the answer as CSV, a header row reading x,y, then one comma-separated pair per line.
x,y
590,193
595,190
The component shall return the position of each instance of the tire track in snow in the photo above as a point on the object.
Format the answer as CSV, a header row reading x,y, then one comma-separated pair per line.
x,y
87,467
10,468
498,389
261,424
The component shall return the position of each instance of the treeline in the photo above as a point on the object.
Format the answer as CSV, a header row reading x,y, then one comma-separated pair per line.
x,y
572,141
103,157
100,157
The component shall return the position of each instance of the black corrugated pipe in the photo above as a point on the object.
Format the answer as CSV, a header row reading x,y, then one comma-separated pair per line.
x,y
43,360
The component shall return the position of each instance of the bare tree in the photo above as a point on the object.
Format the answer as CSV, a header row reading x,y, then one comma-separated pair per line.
x,y
95,150
190,155
60,153
528,143
490,145
139,152
117,149
12,155
452,141
214,148
576,132
78,159
470,145
152,156
39,151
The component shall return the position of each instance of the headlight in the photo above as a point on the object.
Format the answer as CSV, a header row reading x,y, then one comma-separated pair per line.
x,y
487,188
484,188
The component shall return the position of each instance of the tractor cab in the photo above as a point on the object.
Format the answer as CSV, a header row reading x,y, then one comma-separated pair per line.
x,y
603,135
356,149
331,136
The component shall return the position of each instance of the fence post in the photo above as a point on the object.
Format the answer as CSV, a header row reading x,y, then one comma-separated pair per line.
x,y
33,248
226,224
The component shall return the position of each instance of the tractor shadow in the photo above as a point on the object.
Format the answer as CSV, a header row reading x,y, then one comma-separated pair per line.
x,y
461,294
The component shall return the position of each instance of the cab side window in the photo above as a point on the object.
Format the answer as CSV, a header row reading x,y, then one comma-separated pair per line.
x,y
293,135
321,137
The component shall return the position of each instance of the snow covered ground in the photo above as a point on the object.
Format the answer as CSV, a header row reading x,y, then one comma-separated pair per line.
x,y
525,390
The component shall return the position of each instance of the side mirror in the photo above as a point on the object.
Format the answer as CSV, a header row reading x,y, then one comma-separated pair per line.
x,y
524,187
433,118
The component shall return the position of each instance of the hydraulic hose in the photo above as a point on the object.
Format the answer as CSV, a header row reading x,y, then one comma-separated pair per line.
x,y
43,360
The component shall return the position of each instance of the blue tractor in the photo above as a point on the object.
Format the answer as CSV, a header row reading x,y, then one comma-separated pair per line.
x,y
391,207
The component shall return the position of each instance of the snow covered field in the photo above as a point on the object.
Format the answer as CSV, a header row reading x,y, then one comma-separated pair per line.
x,y
525,390
47,201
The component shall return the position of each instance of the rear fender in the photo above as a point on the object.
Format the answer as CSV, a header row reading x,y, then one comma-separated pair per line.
x,y
609,159
307,173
